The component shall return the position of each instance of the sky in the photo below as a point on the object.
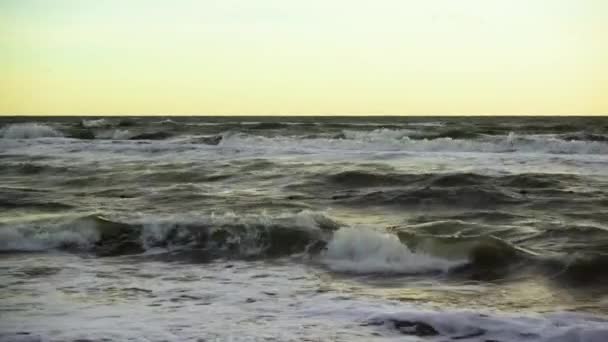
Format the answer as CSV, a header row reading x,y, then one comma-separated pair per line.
x,y
279,57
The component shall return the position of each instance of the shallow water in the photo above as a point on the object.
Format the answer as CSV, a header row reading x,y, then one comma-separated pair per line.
x,y
274,229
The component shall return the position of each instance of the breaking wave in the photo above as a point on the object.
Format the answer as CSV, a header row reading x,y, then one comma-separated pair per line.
x,y
28,131
312,235
52,234
399,140
96,123
226,235
368,251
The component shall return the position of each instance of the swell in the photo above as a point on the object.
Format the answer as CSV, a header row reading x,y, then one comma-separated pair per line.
x,y
366,186
359,178
365,178
20,198
491,258
455,197
525,180
29,168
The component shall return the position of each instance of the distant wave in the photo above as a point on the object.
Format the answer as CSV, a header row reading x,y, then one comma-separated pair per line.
x,y
96,123
283,137
399,140
29,131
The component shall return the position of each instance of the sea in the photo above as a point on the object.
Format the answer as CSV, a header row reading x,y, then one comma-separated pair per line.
x,y
430,229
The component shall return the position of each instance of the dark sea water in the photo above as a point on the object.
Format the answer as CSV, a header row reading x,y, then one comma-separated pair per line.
x,y
304,229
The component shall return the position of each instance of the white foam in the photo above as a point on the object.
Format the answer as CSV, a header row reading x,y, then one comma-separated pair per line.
x,y
381,134
28,131
95,123
360,250
121,134
384,140
34,236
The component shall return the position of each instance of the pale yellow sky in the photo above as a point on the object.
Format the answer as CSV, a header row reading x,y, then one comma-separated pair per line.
x,y
304,57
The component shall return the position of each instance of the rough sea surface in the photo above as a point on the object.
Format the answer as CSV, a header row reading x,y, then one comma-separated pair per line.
x,y
304,229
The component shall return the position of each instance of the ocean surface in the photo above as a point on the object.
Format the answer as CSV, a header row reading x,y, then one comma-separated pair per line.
x,y
304,229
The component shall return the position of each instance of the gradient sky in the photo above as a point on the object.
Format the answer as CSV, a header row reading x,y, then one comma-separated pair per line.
x,y
304,57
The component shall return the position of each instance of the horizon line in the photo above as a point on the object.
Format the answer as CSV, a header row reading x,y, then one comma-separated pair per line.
x,y
298,115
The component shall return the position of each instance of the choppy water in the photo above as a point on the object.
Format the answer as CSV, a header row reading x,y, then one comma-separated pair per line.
x,y
318,229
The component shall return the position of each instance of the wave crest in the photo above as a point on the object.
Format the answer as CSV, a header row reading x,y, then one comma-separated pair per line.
x,y
228,235
369,251
29,131
54,234
96,123
400,140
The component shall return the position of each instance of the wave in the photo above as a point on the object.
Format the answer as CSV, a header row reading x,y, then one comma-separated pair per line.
x,y
29,168
349,250
570,238
70,234
471,326
368,185
121,134
96,123
29,131
384,133
478,197
231,235
490,258
368,251
312,235
269,125
226,235
109,122
364,178
380,134
159,135
585,136
29,197
358,178
399,140
244,143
